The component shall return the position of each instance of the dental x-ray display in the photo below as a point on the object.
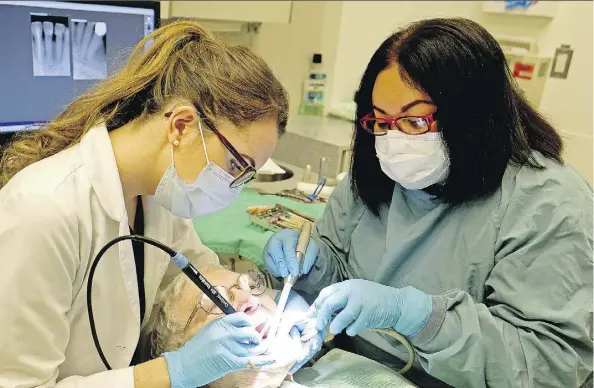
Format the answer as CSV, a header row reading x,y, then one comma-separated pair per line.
x,y
56,50
89,49
50,40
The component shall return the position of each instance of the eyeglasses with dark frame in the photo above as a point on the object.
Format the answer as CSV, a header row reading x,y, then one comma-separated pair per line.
x,y
248,172
252,281
410,125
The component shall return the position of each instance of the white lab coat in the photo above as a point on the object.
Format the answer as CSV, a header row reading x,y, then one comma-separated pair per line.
x,y
55,217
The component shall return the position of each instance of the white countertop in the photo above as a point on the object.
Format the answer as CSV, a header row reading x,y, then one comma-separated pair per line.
x,y
323,129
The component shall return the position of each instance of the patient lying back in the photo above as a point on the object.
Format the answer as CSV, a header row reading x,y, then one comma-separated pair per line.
x,y
183,310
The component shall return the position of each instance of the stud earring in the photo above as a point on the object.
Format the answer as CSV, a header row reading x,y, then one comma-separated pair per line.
x,y
175,143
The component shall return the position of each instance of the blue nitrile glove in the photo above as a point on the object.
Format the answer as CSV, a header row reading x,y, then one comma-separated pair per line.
x,y
223,346
280,256
296,304
362,304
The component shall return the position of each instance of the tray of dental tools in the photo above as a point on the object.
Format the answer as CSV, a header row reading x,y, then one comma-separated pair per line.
x,y
277,218
300,196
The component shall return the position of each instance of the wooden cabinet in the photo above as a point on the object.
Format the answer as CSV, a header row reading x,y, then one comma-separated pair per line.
x,y
241,11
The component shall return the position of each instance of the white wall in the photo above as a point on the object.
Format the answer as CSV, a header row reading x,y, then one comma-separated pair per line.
x,y
288,48
366,24
568,103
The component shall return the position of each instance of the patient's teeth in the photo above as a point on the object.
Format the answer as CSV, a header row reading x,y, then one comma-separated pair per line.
x,y
59,47
48,31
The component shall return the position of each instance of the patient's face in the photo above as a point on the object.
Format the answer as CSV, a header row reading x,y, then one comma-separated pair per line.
x,y
261,308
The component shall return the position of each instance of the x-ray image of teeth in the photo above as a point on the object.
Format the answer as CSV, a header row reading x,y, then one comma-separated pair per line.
x,y
89,50
50,40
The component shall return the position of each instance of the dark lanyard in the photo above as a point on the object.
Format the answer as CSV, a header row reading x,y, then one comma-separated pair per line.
x,y
138,249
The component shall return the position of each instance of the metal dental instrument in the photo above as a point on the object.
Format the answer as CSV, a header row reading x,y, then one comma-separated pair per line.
x,y
317,190
290,280
302,244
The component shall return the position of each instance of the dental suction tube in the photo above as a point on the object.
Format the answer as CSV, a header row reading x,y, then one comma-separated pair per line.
x,y
180,260
184,264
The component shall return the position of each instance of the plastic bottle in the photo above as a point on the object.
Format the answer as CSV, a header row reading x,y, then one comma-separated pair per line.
x,y
313,89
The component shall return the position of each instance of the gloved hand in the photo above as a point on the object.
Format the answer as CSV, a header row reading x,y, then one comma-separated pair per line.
x,y
295,309
280,256
223,346
362,304
311,346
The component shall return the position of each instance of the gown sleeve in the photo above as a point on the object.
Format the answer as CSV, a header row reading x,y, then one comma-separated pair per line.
x,y
534,328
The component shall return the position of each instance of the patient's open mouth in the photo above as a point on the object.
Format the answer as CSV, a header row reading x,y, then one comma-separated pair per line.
x,y
262,317
260,328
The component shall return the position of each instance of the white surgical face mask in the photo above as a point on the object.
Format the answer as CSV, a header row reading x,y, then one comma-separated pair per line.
x,y
209,193
414,161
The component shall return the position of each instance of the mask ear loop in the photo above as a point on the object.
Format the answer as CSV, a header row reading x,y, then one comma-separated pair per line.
x,y
203,142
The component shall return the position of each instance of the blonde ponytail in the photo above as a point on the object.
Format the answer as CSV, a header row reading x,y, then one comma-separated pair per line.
x,y
182,61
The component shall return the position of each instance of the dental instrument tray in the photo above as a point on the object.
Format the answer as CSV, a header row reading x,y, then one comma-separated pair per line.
x,y
300,196
277,218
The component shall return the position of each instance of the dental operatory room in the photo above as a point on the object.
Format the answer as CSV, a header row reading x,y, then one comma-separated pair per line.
x,y
294,194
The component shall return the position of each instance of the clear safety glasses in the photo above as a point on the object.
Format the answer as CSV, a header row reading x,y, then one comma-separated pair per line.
x,y
248,171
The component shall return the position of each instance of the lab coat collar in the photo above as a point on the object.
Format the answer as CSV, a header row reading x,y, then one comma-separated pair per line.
x,y
102,169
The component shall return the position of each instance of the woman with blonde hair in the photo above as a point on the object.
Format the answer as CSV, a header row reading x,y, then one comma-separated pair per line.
x,y
172,136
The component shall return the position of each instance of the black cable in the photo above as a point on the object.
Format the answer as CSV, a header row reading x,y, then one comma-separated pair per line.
x,y
180,260
143,239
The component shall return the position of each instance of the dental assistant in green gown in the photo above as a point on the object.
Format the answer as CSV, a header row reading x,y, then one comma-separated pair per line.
x,y
460,226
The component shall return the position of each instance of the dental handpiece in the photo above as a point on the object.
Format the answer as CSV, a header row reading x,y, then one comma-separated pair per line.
x,y
196,277
272,327
302,244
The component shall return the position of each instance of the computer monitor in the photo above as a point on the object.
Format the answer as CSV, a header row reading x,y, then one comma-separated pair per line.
x,y
52,51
